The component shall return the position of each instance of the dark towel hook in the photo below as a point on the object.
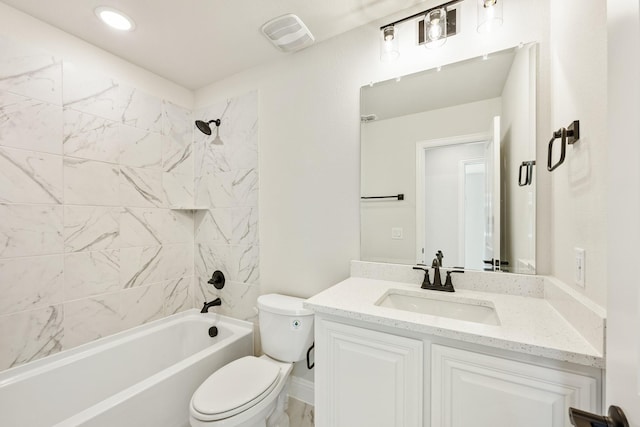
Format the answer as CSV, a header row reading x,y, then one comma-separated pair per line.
x,y
528,176
568,135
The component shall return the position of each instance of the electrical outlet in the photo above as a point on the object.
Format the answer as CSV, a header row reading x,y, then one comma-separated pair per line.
x,y
396,233
579,267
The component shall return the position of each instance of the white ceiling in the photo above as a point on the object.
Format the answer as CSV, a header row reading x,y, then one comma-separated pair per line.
x,y
197,42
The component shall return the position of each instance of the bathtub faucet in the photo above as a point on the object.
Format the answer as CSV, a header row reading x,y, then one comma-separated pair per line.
x,y
205,308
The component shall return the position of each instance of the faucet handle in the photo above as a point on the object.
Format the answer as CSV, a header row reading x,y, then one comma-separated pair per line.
x,y
448,283
426,282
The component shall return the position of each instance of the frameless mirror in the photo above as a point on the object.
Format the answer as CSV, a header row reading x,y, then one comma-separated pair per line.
x,y
447,164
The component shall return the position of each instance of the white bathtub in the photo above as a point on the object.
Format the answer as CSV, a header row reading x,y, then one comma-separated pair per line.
x,y
141,377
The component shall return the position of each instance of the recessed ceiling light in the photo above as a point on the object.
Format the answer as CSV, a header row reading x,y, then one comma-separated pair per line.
x,y
115,19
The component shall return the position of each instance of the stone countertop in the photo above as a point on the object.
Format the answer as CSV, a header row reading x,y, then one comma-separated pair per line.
x,y
528,325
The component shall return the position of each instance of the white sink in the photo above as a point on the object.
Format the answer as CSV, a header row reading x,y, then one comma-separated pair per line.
x,y
466,309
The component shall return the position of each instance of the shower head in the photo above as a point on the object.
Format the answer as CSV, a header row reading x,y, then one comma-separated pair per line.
x,y
204,126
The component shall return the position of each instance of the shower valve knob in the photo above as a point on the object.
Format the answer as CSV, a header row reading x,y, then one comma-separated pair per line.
x,y
217,280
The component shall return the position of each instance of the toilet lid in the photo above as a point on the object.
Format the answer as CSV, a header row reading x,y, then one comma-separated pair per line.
x,y
235,387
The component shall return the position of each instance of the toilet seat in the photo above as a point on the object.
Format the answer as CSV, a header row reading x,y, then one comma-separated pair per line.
x,y
234,388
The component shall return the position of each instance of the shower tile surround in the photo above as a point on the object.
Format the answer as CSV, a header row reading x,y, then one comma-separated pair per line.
x,y
226,236
90,168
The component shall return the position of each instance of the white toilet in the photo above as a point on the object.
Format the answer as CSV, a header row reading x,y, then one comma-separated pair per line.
x,y
250,392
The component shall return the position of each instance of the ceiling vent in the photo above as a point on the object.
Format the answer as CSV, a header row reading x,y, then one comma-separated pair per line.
x,y
288,33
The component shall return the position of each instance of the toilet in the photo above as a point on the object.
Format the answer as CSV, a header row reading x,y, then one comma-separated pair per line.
x,y
250,391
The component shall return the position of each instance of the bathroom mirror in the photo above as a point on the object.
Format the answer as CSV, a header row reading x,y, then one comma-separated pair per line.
x,y
448,164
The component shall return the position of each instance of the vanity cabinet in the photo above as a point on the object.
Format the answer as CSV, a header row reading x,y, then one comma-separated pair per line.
x,y
367,377
473,389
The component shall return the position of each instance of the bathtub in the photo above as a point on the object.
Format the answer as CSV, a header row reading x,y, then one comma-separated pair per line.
x,y
141,377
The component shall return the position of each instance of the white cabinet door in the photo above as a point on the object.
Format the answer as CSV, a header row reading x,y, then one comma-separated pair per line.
x,y
367,378
476,390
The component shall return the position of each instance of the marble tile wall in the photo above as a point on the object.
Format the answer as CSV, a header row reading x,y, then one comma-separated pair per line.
x,y
89,169
226,181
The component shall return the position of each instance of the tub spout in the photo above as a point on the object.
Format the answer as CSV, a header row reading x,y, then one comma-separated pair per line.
x,y
207,305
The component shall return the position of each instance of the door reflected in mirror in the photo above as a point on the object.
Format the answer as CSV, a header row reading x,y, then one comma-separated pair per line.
x,y
452,140
453,175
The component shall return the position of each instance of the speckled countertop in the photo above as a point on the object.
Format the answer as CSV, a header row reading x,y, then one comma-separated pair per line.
x,y
528,325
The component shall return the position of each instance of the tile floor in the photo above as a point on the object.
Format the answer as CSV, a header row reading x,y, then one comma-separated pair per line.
x,y
300,413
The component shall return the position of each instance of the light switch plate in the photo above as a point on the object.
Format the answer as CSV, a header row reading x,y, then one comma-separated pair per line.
x,y
579,267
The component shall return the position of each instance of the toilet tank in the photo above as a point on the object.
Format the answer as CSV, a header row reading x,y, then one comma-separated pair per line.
x,y
286,328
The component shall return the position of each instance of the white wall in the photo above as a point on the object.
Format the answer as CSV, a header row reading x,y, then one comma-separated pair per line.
x,y
388,165
578,91
309,138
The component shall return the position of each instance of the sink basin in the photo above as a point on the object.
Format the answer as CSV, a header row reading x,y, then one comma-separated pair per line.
x,y
461,309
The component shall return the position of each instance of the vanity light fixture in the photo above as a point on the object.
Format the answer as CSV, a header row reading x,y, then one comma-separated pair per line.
x,y
115,19
489,15
433,33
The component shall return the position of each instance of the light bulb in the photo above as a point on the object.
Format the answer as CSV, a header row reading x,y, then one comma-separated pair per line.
x,y
435,28
435,32
389,49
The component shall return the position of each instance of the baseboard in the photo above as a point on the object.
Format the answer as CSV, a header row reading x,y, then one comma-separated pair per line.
x,y
301,389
